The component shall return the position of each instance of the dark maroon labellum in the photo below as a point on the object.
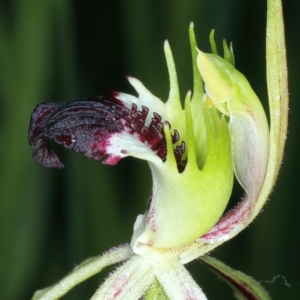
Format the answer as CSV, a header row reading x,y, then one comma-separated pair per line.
x,y
86,125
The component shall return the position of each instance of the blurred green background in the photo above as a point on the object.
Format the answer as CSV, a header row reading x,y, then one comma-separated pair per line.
x,y
59,50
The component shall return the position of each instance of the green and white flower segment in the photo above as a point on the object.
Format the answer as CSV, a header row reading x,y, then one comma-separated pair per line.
x,y
183,206
231,94
193,154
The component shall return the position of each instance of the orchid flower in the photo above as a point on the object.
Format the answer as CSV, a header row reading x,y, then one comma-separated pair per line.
x,y
193,154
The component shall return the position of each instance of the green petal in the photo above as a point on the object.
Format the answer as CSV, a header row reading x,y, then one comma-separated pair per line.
x,y
244,287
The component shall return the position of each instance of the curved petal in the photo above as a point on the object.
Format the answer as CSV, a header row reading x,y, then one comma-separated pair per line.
x,y
97,127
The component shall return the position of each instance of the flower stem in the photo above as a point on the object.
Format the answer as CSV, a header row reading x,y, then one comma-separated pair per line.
x,y
277,94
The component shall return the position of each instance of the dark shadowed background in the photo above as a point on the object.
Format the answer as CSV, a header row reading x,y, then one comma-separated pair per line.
x,y
59,50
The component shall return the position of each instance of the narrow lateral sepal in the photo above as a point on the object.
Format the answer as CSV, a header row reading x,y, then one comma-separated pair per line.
x,y
244,287
83,271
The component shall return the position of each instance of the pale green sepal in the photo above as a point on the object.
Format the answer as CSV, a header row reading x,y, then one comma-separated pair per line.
x,y
244,287
248,125
86,269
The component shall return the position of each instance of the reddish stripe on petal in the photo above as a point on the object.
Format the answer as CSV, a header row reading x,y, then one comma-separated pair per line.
x,y
230,222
